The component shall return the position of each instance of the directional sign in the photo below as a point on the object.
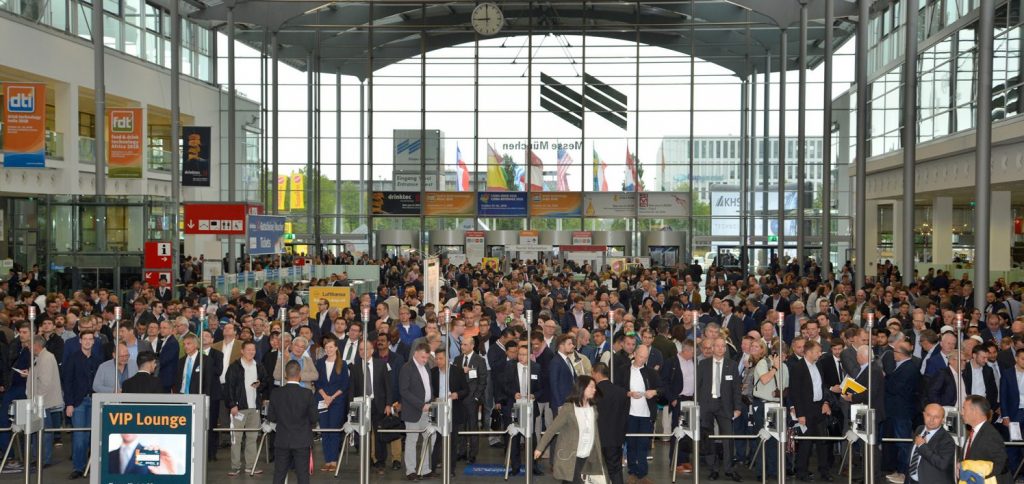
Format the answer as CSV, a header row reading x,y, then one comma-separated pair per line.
x,y
265,234
158,255
153,278
215,218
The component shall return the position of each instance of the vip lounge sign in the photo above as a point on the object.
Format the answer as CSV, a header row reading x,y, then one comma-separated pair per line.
x,y
124,147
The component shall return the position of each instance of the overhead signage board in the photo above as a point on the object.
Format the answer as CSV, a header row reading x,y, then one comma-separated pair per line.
x,y
157,255
501,204
396,203
556,205
265,234
453,204
215,218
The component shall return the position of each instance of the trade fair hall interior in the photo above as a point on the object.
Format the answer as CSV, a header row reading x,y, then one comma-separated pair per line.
x,y
544,241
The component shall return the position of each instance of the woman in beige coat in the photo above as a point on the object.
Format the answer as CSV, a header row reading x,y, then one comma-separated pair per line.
x,y
578,448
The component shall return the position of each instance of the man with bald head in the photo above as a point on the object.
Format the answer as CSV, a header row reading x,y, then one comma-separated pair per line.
x,y
931,458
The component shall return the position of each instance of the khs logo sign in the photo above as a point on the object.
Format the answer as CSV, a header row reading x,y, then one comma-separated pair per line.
x,y
21,99
122,121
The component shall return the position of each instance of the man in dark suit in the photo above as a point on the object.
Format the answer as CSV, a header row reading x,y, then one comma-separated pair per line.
x,y
457,391
983,441
718,395
678,373
416,394
167,367
732,322
931,458
1011,406
561,376
874,396
293,410
144,381
520,378
379,386
809,397
942,387
474,369
901,400
978,366
612,406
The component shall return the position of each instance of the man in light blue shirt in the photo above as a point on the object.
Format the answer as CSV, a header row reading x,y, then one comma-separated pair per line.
x,y
108,380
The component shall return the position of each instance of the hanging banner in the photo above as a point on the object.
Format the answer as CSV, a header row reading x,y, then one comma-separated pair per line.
x,y
282,192
449,203
475,246
664,204
501,204
124,142
298,193
24,131
582,238
396,203
609,204
195,156
556,205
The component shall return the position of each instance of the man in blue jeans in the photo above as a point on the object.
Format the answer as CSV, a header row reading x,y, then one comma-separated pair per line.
x,y
79,372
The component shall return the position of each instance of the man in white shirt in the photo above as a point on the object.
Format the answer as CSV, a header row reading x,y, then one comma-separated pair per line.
x,y
246,378
350,349
643,386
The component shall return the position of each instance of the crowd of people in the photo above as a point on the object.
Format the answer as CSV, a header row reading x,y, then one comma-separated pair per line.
x,y
599,355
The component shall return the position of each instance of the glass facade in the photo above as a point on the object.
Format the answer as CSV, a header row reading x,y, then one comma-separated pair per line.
x,y
492,111
135,27
947,70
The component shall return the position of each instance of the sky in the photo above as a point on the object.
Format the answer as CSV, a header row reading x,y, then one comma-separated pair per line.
x,y
664,102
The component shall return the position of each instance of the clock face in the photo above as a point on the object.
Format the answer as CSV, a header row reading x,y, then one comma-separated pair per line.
x,y
487,19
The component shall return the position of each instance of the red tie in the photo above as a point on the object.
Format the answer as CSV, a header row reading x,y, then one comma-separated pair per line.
x,y
970,440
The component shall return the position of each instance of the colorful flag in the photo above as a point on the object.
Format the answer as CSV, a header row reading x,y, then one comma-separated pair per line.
x,y
496,180
298,198
630,184
600,181
463,183
564,162
282,192
536,172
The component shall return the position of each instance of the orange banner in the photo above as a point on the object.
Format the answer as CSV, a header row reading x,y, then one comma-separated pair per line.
x,y
124,142
556,204
24,125
457,204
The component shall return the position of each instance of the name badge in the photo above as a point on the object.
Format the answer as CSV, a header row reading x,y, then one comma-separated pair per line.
x,y
728,377
472,374
533,377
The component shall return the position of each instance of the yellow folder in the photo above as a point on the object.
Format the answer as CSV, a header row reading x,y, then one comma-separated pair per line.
x,y
849,384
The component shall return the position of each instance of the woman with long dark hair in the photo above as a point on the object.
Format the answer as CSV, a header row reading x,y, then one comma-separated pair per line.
x,y
578,448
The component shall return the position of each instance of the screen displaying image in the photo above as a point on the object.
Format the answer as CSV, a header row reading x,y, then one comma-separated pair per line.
x,y
146,454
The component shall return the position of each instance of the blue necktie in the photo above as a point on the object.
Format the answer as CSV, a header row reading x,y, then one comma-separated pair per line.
x,y
187,387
